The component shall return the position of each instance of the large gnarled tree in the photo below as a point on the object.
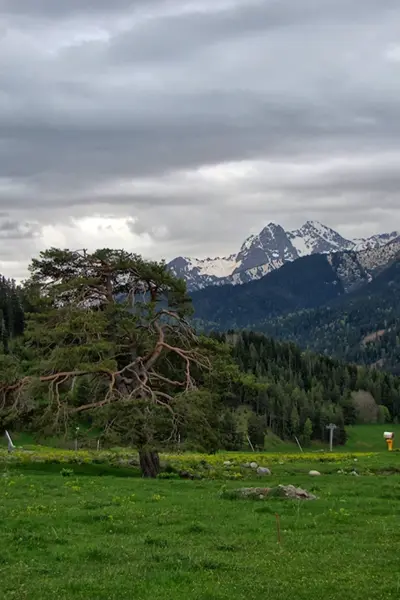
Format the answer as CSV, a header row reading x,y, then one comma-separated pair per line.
x,y
108,340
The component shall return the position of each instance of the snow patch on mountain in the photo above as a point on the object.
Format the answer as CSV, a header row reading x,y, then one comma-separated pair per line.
x,y
375,241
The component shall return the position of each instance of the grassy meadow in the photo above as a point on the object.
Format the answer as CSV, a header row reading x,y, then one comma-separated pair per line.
x,y
85,525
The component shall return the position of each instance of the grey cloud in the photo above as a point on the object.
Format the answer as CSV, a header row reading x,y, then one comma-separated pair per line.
x,y
152,101
55,9
189,32
15,230
309,8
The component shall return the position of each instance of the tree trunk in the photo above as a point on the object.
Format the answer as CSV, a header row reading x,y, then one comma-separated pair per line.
x,y
149,463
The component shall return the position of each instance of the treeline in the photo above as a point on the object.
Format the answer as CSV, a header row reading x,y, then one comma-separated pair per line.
x,y
258,386
11,312
300,393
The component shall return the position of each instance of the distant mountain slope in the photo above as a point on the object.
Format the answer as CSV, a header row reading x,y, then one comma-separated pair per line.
x,y
308,282
363,326
269,250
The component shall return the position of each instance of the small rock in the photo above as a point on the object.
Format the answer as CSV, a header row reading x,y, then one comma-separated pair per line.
x,y
246,465
314,473
263,471
355,473
227,463
253,465
340,472
290,491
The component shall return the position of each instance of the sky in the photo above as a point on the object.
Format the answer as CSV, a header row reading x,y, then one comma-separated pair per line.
x,y
173,127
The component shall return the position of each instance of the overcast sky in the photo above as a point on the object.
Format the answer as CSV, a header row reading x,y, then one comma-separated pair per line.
x,y
180,127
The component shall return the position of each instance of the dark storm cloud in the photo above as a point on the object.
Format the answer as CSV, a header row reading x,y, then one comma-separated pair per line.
x,y
116,107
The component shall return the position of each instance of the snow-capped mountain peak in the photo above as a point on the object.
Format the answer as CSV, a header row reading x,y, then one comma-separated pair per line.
x,y
314,237
269,250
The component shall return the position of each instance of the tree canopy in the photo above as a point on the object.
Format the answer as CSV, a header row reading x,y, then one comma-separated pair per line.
x,y
107,336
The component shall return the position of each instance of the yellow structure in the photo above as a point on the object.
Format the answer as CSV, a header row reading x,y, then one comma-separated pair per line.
x,y
389,437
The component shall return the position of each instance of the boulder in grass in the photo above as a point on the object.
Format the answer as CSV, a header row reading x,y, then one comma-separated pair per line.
x,y
263,471
314,473
259,493
253,465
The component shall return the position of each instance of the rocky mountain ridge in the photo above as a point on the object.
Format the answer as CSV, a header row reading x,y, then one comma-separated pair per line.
x,y
306,283
272,248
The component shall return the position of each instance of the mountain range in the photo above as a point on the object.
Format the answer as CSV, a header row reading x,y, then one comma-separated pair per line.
x,y
343,304
268,251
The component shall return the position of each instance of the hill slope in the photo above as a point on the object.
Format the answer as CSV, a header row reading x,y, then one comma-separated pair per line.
x,y
306,283
363,327
304,385
333,304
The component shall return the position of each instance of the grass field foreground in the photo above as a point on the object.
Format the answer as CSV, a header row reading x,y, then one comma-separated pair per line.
x,y
92,537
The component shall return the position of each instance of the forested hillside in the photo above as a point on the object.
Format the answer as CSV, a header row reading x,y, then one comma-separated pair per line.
x,y
306,283
303,392
363,327
307,303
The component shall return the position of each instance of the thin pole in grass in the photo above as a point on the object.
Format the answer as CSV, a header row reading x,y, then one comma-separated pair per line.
x,y
10,444
331,428
278,528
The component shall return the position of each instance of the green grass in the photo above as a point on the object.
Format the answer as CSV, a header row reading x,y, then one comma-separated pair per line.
x,y
92,537
369,438
362,438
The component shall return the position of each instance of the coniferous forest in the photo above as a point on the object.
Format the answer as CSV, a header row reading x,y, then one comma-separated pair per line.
x,y
11,312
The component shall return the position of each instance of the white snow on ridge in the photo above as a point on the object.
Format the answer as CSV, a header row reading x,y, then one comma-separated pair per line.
x,y
299,243
214,267
247,244
375,241
218,267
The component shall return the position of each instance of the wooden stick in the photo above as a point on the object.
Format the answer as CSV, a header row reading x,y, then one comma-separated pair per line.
x,y
278,528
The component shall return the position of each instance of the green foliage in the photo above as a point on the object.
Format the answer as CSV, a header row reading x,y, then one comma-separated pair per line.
x,y
307,432
256,431
107,345
383,414
11,312
230,436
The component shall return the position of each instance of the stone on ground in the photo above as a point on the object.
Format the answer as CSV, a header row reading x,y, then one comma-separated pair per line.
x,y
260,493
263,471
